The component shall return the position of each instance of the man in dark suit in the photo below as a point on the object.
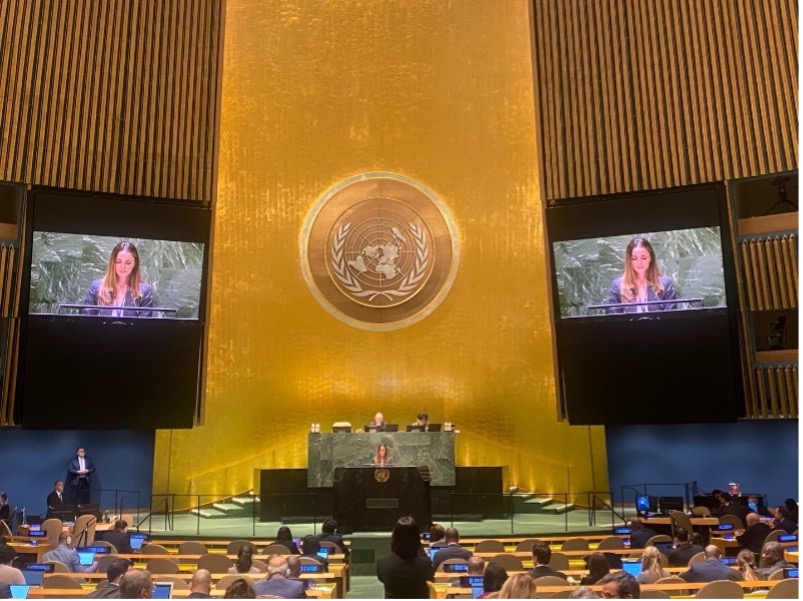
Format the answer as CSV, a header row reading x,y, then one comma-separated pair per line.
x,y
730,507
782,520
56,498
119,538
541,556
753,536
711,569
379,424
111,588
277,581
679,556
329,534
639,534
452,550
80,472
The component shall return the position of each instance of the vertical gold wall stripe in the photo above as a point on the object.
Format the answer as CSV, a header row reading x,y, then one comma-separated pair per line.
x,y
787,253
783,403
748,276
110,96
775,302
783,286
795,388
649,95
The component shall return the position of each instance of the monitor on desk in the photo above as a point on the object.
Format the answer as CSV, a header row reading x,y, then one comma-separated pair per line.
x,y
86,558
433,551
19,591
37,534
668,504
632,567
97,550
34,573
791,572
312,568
323,553
729,561
646,504
787,538
724,527
162,590
452,568
136,540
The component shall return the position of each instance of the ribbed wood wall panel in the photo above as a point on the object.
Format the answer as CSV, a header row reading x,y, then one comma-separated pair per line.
x,y
111,95
649,94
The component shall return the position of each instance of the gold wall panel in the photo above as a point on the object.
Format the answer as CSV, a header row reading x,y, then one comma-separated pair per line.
x,y
640,95
314,93
110,95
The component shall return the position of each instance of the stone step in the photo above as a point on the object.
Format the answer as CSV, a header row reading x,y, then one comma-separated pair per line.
x,y
229,508
209,513
540,501
245,501
557,508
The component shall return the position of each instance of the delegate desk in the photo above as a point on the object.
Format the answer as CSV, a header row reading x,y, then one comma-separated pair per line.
x,y
327,452
373,498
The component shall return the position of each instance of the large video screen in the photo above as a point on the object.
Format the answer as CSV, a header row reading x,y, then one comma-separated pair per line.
x,y
640,272
83,274
112,311
645,308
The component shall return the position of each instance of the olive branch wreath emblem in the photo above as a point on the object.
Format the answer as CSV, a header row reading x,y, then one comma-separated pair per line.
x,y
407,285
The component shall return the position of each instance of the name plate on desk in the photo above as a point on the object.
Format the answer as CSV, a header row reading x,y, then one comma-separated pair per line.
x,y
327,452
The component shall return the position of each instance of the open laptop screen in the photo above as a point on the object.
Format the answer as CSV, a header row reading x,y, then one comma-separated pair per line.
x,y
632,567
162,590
86,557
19,591
137,540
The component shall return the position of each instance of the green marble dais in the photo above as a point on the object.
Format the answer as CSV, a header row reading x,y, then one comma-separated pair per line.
x,y
64,265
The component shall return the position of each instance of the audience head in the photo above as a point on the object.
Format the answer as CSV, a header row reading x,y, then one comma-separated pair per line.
x,y
136,584
620,585
791,505
117,568
772,553
294,566
310,545
746,558
541,553
329,527
120,525
518,586
583,592
476,565
379,419
782,513
284,533
724,498
436,533
713,552
3,498
7,554
65,538
598,565
201,582
277,567
245,556
405,541
452,535
494,577
58,485
681,535
650,557
752,519
240,589
422,419
636,524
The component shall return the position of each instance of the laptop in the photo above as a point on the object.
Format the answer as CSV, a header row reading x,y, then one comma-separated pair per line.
x,y
791,572
162,590
621,531
99,550
19,591
452,568
787,538
37,534
86,557
136,540
323,553
433,551
729,561
312,568
632,567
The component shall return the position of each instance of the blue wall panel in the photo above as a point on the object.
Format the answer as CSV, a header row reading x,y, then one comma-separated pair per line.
x,y
762,456
34,459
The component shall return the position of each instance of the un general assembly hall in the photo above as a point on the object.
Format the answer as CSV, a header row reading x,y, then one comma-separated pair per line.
x,y
399,298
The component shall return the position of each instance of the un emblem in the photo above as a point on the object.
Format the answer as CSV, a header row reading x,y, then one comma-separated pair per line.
x,y
379,251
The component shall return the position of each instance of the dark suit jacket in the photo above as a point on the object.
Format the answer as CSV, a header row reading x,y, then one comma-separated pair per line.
x,y
680,556
404,578
787,525
735,509
119,540
708,571
5,511
545,571
145,300
639,538
105,591
198,596
282,587
72,471
336,539
54,501
452,551
753,537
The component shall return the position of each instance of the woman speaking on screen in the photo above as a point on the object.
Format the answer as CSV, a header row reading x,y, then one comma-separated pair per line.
x,y
121,286
641,282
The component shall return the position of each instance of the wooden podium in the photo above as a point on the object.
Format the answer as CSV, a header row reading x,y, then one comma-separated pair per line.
x,y
373,498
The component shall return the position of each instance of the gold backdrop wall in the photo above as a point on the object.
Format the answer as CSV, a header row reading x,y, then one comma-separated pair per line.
x,y
313,93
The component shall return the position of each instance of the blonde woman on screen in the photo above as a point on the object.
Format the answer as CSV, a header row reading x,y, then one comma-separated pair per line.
x,y
121,286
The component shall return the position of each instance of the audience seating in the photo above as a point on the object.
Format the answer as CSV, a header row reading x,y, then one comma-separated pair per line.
x,y
575,544
162,566
526,545
658,538
697,557
275,549
84,529
234,546
612,542
61,582
701,512
104,561
489,546
559,562
154,549
103,543
721,589
58,567
260,565
53,527
511,563
654,594
226,581
776,575
309,561
732,519
192,547
673,580
178,583
215,563
785,589
681,520
451,562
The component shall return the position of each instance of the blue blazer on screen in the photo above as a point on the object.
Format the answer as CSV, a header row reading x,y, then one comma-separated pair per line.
x,y
145,300
667,294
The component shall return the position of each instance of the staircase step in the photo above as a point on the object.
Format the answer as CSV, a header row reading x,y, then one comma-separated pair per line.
x,y
228,508
558,508
539,500
246,501
208,513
